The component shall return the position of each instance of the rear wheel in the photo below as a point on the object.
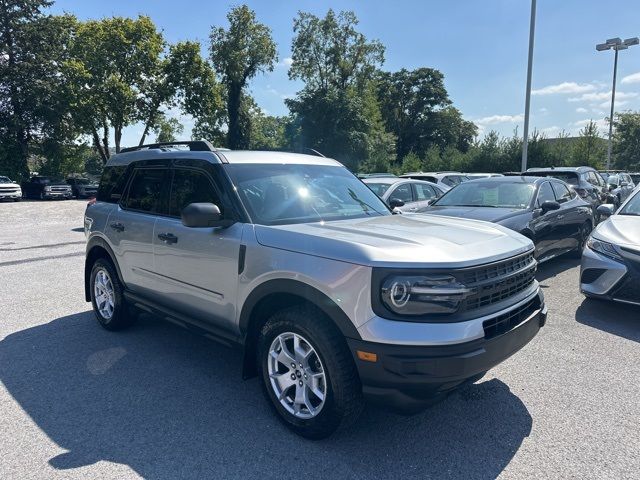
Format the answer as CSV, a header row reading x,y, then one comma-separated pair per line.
x,y
109,305
585,230
308,373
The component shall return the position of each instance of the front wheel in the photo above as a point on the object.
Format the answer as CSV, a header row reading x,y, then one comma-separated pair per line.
x,y
583,236
109,305
308,373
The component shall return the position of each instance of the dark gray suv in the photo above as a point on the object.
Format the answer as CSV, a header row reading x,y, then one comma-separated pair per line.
x,y
332,297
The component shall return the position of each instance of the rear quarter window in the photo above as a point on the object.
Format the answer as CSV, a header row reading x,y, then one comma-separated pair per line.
x,y
111,184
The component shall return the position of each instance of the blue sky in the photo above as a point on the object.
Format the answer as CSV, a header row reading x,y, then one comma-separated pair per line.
x,y
479,45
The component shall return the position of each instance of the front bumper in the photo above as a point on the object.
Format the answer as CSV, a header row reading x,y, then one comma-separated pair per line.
x,y
609,279
51,195
409,378
10,195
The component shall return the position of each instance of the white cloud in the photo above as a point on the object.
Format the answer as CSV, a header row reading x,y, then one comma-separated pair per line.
x,y
544,110
633,78
581,110
600,96
552,131
494,119
602,124
564,87
286,62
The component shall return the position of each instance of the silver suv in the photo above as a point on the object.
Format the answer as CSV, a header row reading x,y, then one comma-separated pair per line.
x,y
332,297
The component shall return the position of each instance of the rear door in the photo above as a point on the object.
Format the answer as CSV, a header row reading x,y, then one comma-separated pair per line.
x,y
197,267
423,193
130,227
569,218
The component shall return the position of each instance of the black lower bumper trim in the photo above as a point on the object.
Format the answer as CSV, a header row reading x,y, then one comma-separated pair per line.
x,y
410,378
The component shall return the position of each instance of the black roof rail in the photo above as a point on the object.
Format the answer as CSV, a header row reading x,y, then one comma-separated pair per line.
x,y
194,146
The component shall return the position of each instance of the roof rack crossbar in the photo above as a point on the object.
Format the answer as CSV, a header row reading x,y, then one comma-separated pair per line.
x,y
194,146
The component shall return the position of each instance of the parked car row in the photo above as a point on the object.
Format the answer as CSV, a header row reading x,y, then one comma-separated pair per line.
x,y
47,188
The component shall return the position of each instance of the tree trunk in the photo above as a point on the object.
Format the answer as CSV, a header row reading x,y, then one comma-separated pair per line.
x,y
234,135
117,136
150,121
98,146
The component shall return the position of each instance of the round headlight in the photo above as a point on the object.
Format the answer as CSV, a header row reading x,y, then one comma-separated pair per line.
x,y
423,294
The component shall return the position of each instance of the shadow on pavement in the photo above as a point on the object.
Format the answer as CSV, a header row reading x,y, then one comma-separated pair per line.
x,y
616,318
170,404
555,266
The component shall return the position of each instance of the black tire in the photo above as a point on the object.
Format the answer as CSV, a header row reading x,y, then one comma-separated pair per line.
x,y
343,401
585,230
123,315
42,196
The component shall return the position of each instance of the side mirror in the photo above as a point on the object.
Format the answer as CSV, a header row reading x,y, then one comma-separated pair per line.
x,y
606,209
395,202
202,215
549,205
430,201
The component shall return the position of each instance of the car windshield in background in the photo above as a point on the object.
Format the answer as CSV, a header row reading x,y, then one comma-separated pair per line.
x,y
286,194
488,194
82,181
378,188
613,179
632,207
5,180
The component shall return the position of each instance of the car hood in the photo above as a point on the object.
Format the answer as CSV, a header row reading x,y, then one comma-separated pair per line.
x,y
488,214
11,184
398,241
620,230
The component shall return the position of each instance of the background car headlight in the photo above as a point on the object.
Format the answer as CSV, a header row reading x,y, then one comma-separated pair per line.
x,y
605,248
47,189
423,294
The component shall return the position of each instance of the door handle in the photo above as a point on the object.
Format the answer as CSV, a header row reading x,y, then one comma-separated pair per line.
x,y
117,226
168,238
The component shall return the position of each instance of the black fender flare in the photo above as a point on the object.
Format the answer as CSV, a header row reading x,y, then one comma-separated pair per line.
x,y
305,293
93,243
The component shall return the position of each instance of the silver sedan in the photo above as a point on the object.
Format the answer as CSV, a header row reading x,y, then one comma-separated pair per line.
x,y
611,258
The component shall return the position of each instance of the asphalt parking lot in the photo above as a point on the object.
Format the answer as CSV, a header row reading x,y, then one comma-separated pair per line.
x,y
159,402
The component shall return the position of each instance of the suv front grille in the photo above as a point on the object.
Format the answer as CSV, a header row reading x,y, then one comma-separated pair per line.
x,y
8,189
506,322
499,281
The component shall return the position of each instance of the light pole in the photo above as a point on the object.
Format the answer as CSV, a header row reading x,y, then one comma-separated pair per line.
x,y
615,44
527,101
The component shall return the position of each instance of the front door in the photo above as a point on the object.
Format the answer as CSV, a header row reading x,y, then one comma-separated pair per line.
x,y
197,267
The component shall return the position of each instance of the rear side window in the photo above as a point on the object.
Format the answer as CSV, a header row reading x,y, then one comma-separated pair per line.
x,y
111,184
144,190
424,192
562,192
190,186
545,194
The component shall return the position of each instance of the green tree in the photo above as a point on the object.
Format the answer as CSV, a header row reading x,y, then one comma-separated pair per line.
x,y
32,46
238,54
626,140
267,131
589,149
168,129
337,112
417,109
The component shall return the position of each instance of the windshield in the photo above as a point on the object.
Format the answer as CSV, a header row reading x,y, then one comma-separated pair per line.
x,y
82,181
488,194
285,194
5,180
378,188
632,207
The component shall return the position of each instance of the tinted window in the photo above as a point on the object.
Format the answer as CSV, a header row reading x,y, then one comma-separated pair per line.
x,y
545,194
144,190
424,192
489,194
402,192
562,192
190,186
111,184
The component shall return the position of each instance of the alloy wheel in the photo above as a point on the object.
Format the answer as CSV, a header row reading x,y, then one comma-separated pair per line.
x,y
103,294
297,375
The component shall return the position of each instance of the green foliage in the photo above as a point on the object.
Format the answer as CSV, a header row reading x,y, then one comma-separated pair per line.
x,y
626,140
168,129
238,54
589,149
